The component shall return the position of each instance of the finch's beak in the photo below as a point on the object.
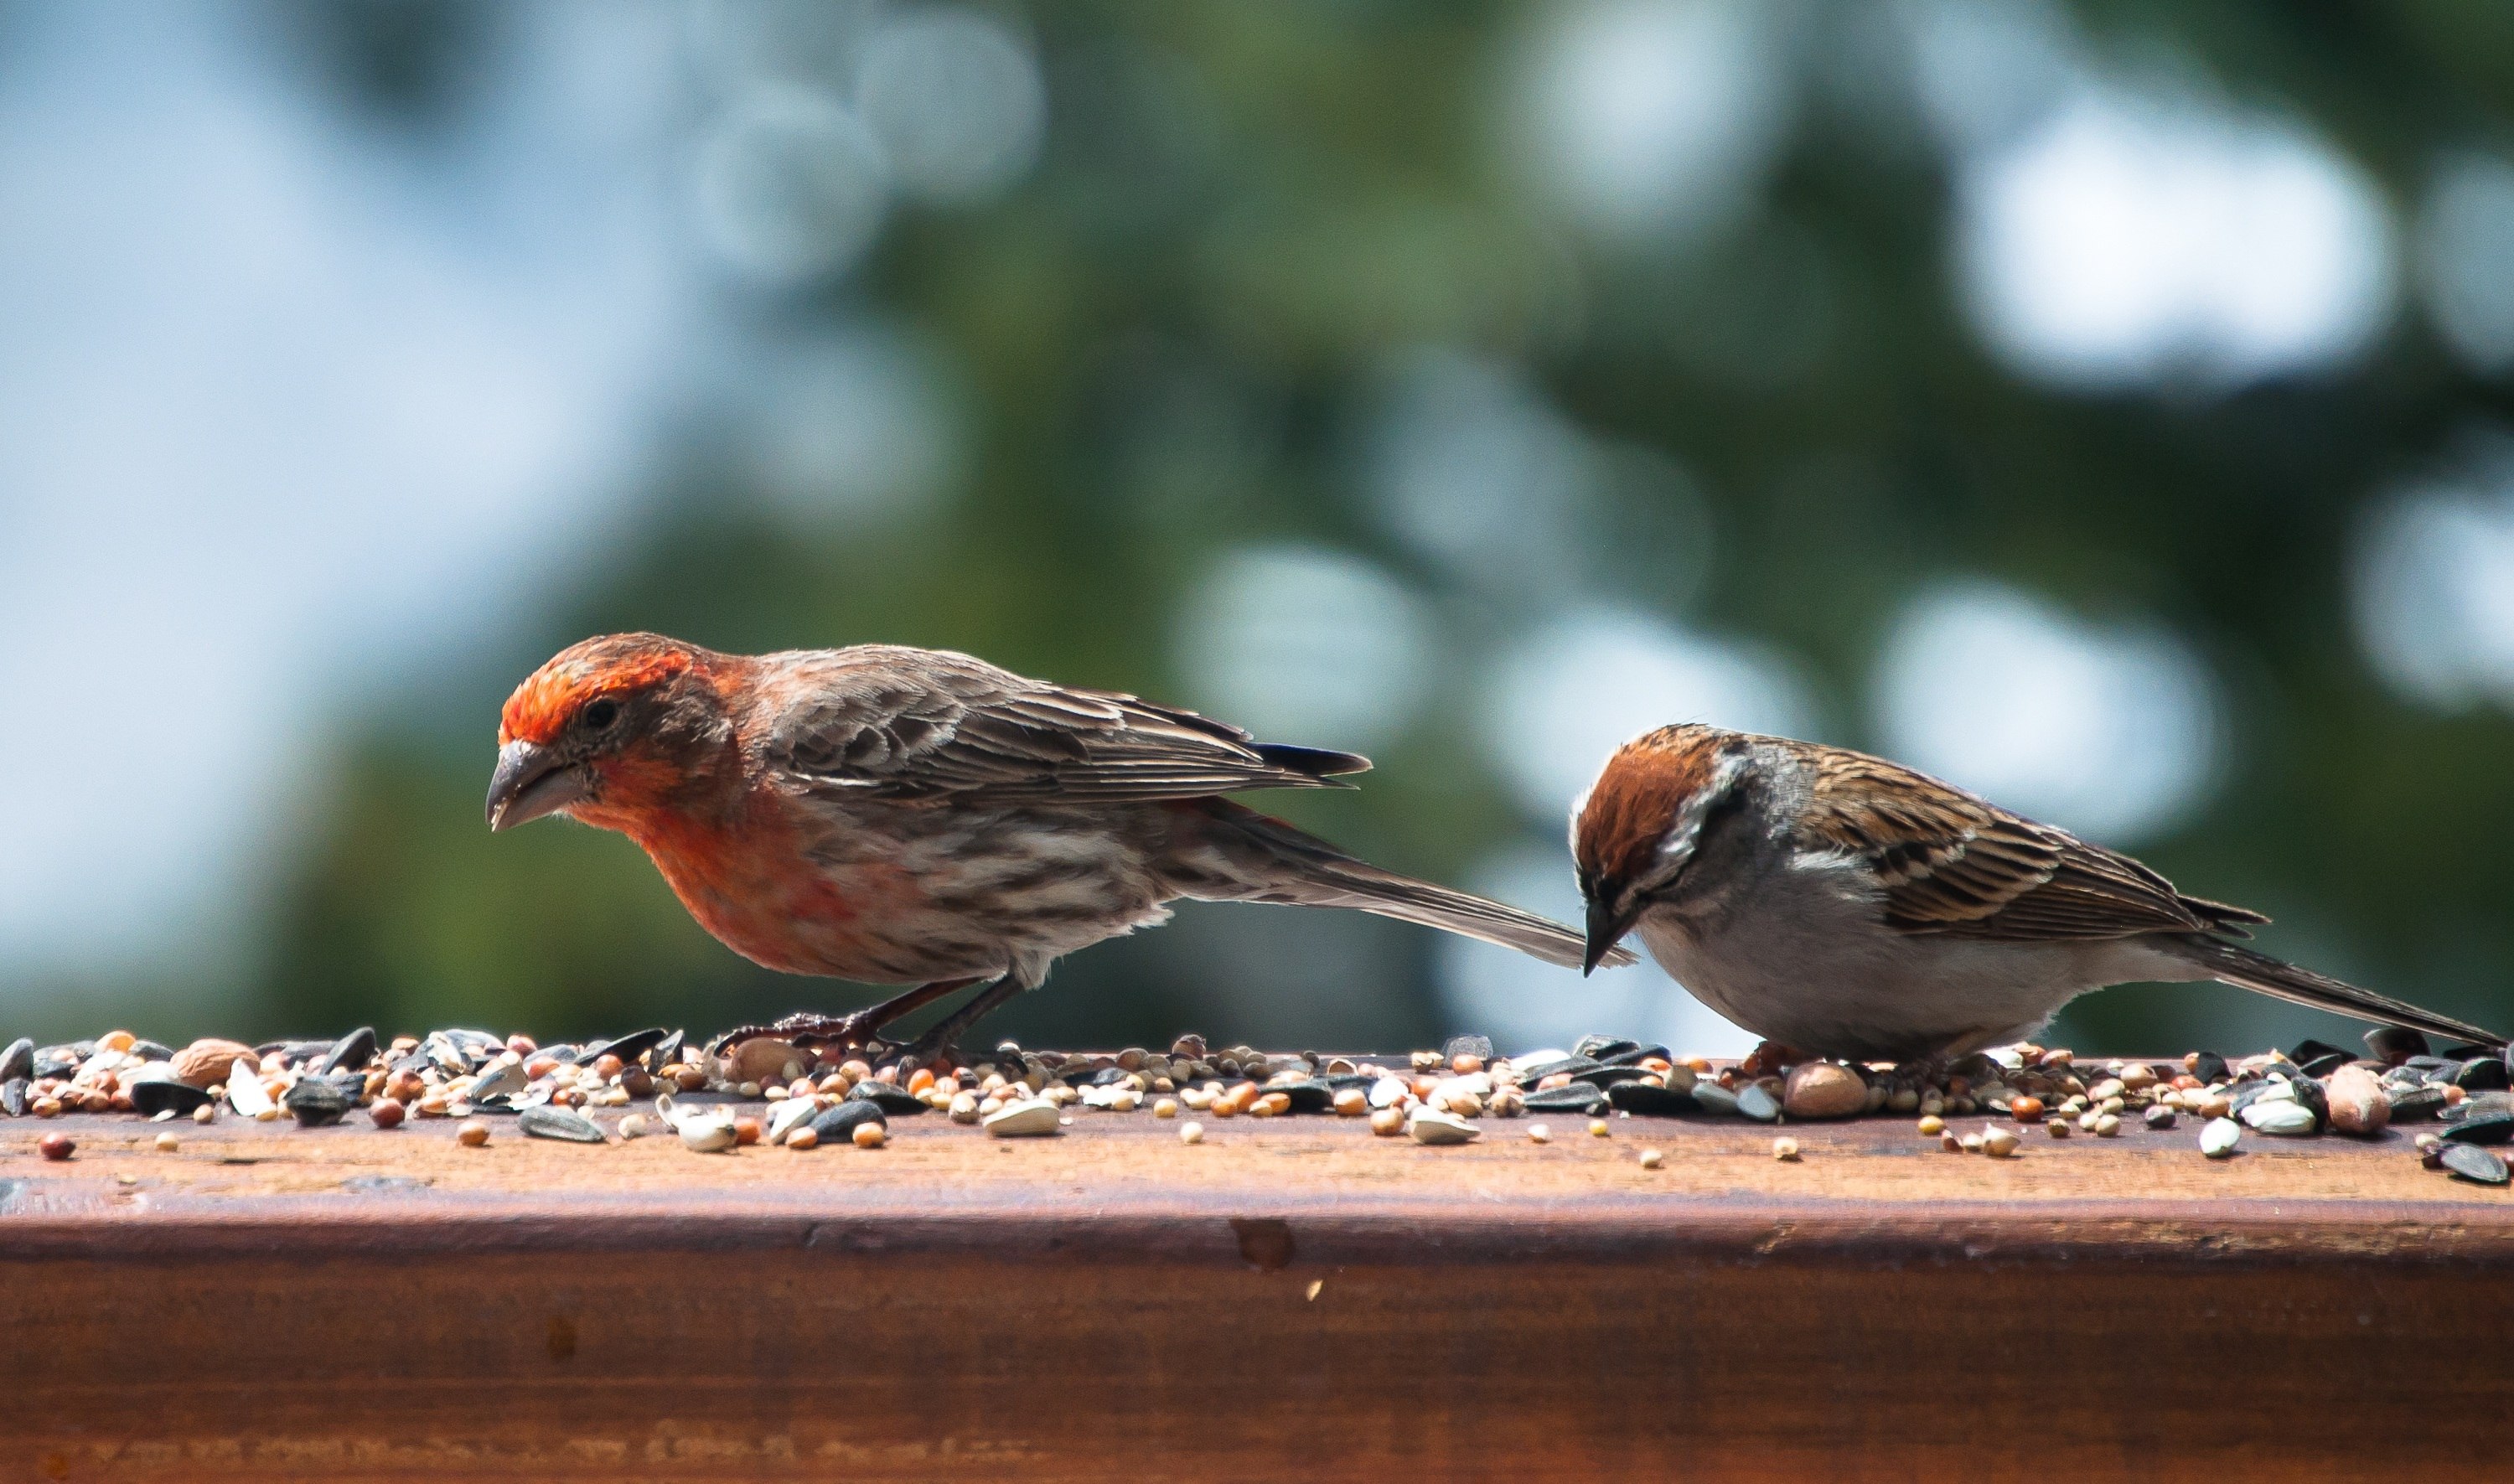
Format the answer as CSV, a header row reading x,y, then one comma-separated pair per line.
x,y
531,782
1605,930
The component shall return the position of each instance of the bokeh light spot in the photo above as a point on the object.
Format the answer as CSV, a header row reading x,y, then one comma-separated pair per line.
x,y
1654,118
1471,467
1302,644
791,184
2133,238
2433,589
956,102
2111,730
2465,258
1562,699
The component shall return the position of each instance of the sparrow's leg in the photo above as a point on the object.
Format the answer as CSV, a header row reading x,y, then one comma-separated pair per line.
x,y
855,1029
946,1031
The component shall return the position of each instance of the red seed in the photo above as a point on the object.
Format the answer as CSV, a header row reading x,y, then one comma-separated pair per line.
x,y
746,1131
387,1112
55,1146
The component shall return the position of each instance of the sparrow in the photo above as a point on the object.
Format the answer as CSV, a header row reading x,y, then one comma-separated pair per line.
x,y
909,816
1845,906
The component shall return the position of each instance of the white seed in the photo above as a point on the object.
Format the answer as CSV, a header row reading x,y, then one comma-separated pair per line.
x,y
2285,1118
1538,1133
1191,1131
2219,1137
1785,1149
788,1114
246,1095
707,1136
1999,1142
1431,1126
1650,1159
1035,1118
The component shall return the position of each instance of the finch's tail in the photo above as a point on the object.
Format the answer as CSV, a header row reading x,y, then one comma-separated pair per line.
x,y
2238,965
1238,854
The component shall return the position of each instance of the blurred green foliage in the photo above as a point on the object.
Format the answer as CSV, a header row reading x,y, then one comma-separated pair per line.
x,y
1159,339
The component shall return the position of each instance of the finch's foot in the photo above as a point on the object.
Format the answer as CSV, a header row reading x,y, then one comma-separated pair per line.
x,y
941,1043
858,1032
855,1031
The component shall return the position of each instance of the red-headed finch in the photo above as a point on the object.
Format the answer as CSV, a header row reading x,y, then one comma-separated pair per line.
x,y
909,816
1845,906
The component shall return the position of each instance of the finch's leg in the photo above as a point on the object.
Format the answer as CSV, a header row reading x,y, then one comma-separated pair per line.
x,y
946,1031
857,1028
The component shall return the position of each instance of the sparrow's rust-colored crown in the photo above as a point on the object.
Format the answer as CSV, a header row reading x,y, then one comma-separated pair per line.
x,y
614,663
1636,797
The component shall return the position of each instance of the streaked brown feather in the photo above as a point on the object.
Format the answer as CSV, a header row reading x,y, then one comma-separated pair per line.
x,y
1956,865
909,724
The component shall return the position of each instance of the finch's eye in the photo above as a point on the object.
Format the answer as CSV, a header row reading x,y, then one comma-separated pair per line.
x,y
600,714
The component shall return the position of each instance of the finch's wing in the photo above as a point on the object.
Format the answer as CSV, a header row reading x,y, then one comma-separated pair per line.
x,y
922,724
1960,865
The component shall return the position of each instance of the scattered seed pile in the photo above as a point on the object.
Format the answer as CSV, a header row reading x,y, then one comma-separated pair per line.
x,y
806,1098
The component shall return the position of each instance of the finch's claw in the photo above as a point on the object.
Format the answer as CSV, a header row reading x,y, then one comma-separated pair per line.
x,y
848,1032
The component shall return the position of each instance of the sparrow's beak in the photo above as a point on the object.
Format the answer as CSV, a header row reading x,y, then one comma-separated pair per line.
x,y
1605,930
531,782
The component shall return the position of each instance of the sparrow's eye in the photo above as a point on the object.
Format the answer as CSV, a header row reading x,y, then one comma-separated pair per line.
x,y
600,714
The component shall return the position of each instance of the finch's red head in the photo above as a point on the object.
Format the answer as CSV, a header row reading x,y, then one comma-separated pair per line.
x,y
1636,831
555,696
610,725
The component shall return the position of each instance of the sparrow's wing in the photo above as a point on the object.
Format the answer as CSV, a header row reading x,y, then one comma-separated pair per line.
x,y
1960,865
926,724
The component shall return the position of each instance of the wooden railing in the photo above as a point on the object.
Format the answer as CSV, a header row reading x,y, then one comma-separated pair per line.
x,y
1289,1298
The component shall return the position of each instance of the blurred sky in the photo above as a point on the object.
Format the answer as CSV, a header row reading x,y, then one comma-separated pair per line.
x,y
340,345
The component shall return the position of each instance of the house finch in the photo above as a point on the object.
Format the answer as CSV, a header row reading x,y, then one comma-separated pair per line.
x,y
1844,905
914,816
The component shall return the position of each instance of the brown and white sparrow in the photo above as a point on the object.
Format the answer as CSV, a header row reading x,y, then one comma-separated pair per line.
x,y
1845,906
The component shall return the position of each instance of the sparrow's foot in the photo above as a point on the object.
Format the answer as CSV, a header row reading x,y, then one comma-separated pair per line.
x,y
1769,1056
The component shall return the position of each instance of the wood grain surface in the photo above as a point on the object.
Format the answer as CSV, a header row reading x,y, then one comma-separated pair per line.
x,y
1290,1299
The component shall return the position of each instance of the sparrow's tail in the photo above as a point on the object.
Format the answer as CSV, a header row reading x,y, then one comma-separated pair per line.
x,y
2238,965
1234,854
